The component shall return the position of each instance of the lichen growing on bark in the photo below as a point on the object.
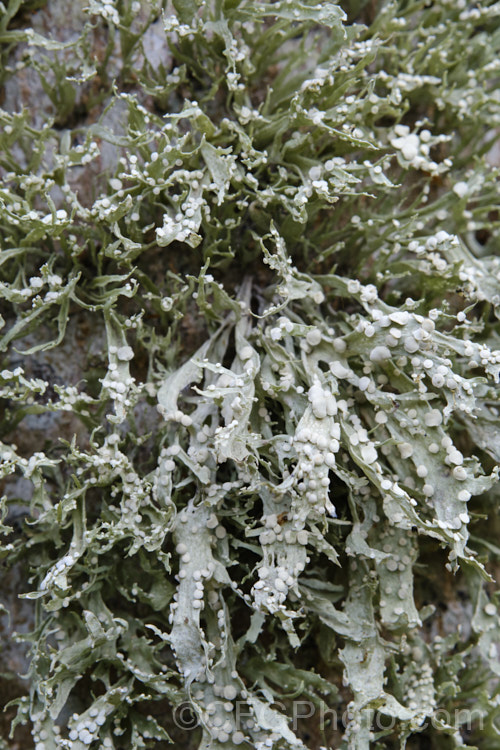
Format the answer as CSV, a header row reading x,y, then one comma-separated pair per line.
x,y
249,308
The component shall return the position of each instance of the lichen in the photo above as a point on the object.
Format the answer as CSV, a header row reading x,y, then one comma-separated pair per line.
x,y
250,354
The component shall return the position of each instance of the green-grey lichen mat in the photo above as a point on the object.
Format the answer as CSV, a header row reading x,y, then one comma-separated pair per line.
x,y
249,367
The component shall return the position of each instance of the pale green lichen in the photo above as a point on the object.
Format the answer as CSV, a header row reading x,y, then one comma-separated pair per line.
x,y
280,227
